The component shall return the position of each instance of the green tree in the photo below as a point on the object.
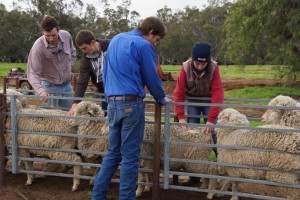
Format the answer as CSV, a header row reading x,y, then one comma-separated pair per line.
x,y
267,31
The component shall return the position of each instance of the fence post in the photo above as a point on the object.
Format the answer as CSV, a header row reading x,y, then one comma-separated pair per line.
x,y
157,150
2,147
176,177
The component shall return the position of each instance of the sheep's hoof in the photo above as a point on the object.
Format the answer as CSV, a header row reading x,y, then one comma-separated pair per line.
x,y
210,196
138,194
28,183
147,189
91,182
74,188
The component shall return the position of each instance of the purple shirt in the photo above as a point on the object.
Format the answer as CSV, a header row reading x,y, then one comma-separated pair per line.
x,y
52,64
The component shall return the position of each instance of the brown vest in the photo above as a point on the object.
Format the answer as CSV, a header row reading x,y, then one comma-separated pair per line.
x,y
198,85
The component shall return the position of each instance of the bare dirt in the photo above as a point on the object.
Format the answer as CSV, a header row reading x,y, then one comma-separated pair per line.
x,y
59,188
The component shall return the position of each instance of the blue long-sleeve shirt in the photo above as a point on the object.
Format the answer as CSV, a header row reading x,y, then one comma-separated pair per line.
x,y
130,64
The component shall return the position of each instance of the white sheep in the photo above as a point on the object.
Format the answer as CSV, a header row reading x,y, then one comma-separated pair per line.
x,y
180,151
287,142
283,117
99,128
45,124
21,102
90,127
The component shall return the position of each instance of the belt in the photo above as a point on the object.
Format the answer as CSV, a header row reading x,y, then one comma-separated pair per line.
x,y
124,98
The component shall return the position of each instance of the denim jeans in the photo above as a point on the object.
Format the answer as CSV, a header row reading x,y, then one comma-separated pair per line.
x,y
63,90
197,110
126,132
201,110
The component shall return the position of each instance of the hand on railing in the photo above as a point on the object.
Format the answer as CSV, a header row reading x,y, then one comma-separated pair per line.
x,y
183,127
45,94
208,129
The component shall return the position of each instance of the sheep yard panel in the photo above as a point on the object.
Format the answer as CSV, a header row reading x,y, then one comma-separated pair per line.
x,y
167,122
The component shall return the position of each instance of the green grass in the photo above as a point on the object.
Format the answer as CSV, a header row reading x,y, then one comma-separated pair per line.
x,y
248,71
261,92
5,67
235,71
230,71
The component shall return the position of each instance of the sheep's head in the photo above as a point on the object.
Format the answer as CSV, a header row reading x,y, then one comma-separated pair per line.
x,y
232,117
274,115
86,109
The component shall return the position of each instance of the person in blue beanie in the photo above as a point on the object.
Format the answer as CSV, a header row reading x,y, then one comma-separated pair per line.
x,y
129,66
199,77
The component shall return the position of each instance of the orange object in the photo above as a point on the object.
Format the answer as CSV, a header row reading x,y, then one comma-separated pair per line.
x,y
160,72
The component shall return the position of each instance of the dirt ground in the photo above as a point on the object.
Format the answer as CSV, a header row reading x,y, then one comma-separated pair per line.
x,y
59,188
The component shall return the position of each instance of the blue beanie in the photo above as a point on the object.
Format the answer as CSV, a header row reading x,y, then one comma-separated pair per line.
x,y
201,52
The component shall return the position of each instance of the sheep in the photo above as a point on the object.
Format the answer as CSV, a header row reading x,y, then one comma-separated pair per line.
x,y
21,102
288,161
283,117
90,127
180,151
99,128
45,124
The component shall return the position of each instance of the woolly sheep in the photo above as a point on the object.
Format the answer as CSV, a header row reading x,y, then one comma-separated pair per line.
x,y
283,117
20,101
90,127
180,151
286,142
45,124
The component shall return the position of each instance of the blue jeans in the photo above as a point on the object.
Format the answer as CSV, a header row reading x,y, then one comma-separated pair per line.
x,y
196,110
126,133
200,110
63,90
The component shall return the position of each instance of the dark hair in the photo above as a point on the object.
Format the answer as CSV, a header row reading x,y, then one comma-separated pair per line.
x,y
84,37
48,23
154,24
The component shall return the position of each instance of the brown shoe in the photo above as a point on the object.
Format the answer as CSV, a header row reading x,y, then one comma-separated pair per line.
x,y
191,182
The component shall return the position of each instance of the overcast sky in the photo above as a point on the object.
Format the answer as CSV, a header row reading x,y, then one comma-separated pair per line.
x,y
144,7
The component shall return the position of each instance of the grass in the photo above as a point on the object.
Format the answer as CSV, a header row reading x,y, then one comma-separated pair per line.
x,y
235,71
261,92
5,67
249,71
230,71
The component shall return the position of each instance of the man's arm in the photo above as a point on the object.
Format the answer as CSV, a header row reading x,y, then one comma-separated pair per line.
x,y
34,69
150,75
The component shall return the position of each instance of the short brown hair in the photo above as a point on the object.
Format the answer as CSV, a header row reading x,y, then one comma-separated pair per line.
x,y
152,23
48,23
84,37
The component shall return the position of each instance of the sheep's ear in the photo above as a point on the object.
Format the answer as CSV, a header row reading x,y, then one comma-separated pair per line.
x,y
91,112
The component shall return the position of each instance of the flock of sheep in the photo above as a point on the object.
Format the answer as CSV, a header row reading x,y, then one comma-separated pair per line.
x,y
280,150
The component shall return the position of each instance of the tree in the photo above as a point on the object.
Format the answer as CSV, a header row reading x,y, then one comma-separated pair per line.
x,y
265,31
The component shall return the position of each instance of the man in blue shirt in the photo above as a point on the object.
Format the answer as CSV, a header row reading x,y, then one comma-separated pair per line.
x,y
129,66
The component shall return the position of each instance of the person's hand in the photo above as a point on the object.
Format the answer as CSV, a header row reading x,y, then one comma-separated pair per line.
x,y
71,111
45,94
208,129
168,99
183,121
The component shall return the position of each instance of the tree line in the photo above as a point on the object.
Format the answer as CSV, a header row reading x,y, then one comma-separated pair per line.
x,y
240,32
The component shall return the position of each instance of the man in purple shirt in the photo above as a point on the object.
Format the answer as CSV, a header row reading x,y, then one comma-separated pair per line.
x,y
49,63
